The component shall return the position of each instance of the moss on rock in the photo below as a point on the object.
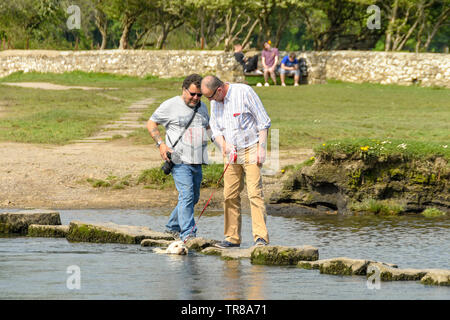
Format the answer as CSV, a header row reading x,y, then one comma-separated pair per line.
x,y
339,182
280,255
47,231
112,233
437,277
18,222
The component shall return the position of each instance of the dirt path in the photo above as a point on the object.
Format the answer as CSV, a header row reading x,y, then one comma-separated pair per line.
x,y
40,176
55,177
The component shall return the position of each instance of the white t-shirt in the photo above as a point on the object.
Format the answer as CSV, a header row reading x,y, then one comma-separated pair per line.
x,y
174,115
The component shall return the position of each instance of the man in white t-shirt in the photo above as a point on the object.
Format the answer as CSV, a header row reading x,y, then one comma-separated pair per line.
x,y
189,153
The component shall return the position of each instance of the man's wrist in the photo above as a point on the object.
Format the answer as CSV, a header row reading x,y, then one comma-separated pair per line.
x,y
159,143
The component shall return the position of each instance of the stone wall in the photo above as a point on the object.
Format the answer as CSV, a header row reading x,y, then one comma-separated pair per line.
x,y
171,63
403,68
426,69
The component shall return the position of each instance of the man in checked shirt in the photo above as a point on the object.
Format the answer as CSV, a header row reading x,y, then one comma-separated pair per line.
x,y
239,124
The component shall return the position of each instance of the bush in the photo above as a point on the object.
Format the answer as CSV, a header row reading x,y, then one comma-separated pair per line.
x,y
433,212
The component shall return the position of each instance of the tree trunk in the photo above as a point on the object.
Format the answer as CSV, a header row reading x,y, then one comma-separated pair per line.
x,y
162,37
104,39
249,33
128,23
102,24
389,30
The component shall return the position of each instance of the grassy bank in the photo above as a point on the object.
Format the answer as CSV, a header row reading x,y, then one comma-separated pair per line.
x,y
57,117
155,178
305,116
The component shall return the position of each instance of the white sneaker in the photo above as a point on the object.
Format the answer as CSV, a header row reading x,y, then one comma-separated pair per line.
x,y
266,84
295,84
283,85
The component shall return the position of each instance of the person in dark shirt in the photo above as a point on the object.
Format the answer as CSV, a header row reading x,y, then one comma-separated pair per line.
x,y
249,64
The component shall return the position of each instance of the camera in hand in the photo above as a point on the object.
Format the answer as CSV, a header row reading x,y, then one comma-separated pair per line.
x,y
168,164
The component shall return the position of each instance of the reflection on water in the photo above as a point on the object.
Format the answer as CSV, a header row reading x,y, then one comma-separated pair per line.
x,y
36,268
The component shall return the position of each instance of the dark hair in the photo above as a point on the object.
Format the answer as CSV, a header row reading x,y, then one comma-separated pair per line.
x,y
292,55
192,79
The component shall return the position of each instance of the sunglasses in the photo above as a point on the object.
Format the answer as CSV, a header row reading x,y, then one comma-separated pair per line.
x,y
214,93
194,93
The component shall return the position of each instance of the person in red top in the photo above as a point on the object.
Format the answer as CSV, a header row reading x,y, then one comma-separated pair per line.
x,y
269,59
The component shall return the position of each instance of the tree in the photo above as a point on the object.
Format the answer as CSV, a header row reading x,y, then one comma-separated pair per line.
x,y
339,24
127,12
430,23
24,17
408,17
101,21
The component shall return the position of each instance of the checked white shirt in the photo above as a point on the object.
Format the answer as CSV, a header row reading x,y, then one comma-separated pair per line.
x,y
240,117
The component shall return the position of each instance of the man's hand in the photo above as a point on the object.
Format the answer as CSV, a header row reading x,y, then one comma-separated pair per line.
x,y
163,149
227,149
261,154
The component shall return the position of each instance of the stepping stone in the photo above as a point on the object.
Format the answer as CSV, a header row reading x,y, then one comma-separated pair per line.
x,y
18,222
229,254
437,277
198,244
281,255
112,233
47,231
341,266
388,273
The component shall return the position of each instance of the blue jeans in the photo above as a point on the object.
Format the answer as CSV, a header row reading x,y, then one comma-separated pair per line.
x,y
187,179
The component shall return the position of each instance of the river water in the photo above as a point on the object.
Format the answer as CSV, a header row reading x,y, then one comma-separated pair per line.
x,y
37,268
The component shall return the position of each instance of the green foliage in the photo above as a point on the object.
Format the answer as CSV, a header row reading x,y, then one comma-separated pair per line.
x,y
367,149
111,181
290,24
433,212
211,175
382,207
155,178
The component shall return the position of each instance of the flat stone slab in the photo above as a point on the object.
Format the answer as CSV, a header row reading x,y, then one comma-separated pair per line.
x,y
47,231
282,255
18,222
388,273
437,277
229,254
341,266
112,233
199,243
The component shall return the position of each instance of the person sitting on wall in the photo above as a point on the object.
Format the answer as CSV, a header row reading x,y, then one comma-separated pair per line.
x,y
249,64
269,59
289,66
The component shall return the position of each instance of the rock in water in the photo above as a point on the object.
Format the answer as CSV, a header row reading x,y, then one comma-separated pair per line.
x,y
281,255
18,222
112,233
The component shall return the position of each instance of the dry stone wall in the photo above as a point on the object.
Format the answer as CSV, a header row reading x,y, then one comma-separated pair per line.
x,y
403,68
162,63
425,69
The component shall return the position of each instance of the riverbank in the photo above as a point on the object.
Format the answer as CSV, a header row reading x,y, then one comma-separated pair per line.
x,y
388,177
55,177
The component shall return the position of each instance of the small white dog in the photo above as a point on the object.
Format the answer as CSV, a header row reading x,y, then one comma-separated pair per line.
x,y
176,247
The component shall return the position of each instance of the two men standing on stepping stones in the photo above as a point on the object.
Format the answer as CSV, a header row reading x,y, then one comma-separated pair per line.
x,y
238,126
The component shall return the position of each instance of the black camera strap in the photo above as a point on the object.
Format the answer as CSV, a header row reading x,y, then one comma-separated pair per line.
x,y
187,126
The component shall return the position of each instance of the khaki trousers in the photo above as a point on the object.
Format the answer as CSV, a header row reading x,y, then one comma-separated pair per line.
x,y
247,167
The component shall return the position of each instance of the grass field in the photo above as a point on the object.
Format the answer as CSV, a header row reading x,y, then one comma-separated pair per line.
x,y
306,116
